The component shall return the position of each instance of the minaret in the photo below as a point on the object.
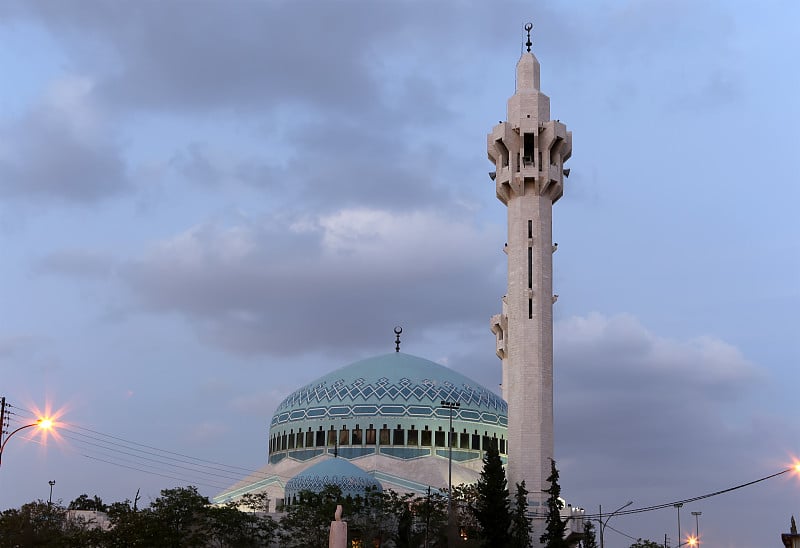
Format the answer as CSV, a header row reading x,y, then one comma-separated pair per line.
x,y
528,151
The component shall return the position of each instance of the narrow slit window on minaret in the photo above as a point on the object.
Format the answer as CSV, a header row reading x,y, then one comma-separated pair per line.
x,y
530,309
530,267
530,228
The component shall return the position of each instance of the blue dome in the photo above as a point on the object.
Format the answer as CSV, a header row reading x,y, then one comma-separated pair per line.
x,y
348,477
394,384
390,405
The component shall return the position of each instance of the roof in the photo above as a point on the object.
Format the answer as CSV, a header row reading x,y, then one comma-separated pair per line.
x,y
393,384
348,477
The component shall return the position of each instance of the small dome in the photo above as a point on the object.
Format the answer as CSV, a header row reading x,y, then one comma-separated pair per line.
x,y
352,480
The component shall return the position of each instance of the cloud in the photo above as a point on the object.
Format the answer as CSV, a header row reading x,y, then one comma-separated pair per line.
x,y
75,263
649,409
60,149
279,286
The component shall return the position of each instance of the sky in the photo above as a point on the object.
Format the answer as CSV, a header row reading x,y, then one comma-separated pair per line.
x,y
205,205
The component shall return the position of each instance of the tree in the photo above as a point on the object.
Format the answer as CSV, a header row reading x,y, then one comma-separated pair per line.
x,y
431,513
36,523
589,538
404,538
307,521
645,544
555,527
373,516
464,498
83,502
229,527
492,507
521,529
180,516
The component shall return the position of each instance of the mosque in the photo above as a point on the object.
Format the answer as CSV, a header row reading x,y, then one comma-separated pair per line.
x,y
384,421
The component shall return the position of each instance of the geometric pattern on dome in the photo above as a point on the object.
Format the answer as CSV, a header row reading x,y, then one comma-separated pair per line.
x,y
387,410
316,483
383,389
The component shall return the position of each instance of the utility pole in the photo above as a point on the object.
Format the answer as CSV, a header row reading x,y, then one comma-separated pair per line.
x,y
678,506
2,418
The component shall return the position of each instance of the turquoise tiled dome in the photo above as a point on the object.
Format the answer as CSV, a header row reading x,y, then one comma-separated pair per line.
x,y
394,384
392,402
352,480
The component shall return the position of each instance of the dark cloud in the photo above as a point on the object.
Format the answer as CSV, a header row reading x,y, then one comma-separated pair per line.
x,y
207,54
281,288
61,149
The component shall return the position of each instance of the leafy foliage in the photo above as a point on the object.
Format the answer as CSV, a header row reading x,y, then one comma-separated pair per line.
x,y
33,524
555,527
307,521
645,544
492,506
83,502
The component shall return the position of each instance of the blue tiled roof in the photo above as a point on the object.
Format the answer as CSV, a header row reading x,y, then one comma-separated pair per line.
x,y
351,479
395,384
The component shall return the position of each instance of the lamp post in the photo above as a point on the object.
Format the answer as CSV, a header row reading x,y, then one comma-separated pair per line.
x,y
611,515
52,483
451,405
45,424
697,526
678,506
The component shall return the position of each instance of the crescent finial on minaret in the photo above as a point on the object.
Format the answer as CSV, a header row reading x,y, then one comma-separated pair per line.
x,y
528,28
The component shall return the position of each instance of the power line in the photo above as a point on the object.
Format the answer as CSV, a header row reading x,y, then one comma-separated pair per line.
x,y
693,499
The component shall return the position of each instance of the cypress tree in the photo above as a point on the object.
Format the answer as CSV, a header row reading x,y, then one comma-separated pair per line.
x,y
492,510
589,538
521,529
553,537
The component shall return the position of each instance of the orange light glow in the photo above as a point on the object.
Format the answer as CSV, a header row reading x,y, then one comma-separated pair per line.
x,y
692,541
48,422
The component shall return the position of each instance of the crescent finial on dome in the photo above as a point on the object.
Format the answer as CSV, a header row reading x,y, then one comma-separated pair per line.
x,y
397,331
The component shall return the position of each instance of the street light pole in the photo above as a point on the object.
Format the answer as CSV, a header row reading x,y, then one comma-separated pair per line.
x,y
611,515
679,505
451,406
697,525
52,483
41,423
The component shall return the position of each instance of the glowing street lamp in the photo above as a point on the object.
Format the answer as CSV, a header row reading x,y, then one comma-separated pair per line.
x,y
43,424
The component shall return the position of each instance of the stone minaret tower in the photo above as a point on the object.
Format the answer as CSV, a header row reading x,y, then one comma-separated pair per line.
x,y
528,151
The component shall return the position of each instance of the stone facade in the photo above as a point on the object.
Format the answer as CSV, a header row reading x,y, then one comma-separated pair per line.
x,y
528,151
